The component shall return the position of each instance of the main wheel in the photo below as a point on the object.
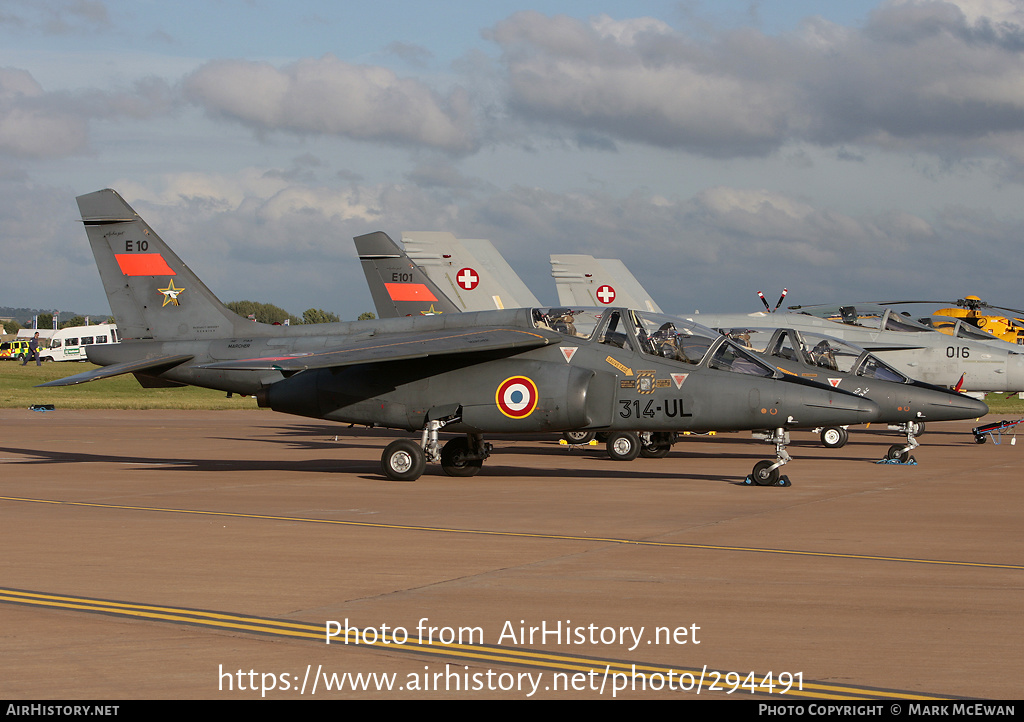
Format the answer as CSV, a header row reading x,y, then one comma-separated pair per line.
x,y
661,444
403,460
454,461
623,446
896,452
834,437
579,437
917,427
763,474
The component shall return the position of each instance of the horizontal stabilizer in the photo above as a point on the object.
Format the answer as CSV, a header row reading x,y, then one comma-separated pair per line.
x,y
150,364
401,347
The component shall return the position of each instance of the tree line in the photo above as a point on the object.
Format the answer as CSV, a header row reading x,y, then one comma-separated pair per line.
x,y
269,313
262,312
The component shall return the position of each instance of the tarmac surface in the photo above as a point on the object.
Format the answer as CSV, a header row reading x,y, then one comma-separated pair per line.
x,y
181,555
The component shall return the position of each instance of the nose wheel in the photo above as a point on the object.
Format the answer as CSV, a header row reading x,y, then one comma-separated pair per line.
x,y
901,452
767,473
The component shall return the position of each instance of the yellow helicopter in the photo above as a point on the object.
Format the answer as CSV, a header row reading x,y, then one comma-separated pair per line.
x,y
972,310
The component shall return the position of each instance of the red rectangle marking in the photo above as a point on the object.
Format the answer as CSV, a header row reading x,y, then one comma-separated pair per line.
x,y
143,264
409,292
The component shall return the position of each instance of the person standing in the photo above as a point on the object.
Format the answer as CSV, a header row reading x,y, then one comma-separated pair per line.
x,y
33,351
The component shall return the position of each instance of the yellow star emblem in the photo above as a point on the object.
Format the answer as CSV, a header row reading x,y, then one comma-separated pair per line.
x,y
430,312
170,294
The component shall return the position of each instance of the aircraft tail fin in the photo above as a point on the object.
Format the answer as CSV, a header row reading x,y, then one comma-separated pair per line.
x,y
152,294
470,271
398,286
587,281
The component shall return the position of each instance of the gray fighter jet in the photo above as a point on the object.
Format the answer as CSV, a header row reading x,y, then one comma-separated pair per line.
x,y
903,402
512,371
982,362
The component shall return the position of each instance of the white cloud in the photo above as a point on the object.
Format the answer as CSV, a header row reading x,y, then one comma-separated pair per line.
x,y
922,75
32,125
331,97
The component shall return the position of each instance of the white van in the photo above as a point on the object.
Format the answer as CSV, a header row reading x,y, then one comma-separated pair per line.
x,y
68,344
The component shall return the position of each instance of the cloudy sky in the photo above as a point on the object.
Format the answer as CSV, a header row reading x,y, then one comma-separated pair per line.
x,y
848,150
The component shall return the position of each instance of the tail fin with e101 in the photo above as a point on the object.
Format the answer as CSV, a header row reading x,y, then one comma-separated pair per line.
x,y
398,286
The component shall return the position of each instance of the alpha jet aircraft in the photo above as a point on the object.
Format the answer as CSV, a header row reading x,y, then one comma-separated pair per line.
x,y
915,350
470,373
903,403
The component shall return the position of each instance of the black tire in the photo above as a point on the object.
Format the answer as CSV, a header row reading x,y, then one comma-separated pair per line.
x,y
660,446
763,474
403,460
917,427
655,451
834,437
454,461
623,446
579,437
896,452
602,436
980,439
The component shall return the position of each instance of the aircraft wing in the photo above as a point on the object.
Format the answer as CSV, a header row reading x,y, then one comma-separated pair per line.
x,y
158,362
401,347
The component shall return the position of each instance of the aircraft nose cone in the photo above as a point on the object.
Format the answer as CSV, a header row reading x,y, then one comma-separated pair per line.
x,y
943,405
971,408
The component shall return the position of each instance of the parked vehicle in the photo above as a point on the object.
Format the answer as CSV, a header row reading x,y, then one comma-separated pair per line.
x,y
69,344
16,349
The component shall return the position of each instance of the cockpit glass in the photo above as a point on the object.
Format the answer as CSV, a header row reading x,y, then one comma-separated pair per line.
x,y
614,331
753,339
873,367
830,353
729,357
674,338
899,322
965,330
578,323
868,316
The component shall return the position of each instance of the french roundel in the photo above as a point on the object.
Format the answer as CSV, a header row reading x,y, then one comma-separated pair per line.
x,y
516,397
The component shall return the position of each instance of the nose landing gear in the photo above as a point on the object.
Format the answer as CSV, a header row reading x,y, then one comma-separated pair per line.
x,y
901,452
766,473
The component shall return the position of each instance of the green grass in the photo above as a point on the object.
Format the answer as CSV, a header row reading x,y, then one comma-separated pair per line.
x,y
17,390
999,404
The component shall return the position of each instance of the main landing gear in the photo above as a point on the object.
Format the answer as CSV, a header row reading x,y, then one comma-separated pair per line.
x,y
627,445
834,437
901,452
766,473
405,460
